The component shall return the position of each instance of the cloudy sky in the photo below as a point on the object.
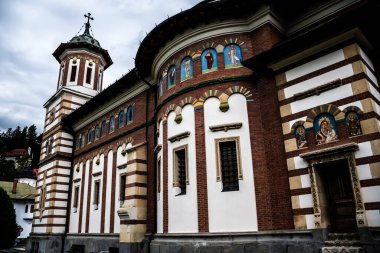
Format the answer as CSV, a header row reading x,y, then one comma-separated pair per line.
x,y
30,31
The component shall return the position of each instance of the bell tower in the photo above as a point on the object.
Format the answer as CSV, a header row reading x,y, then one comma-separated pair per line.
x,y
82,61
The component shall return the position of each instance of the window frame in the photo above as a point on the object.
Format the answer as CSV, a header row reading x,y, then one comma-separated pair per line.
x,y
122,188
89,136
158,170
236,139
131,110
103,126
76,198
120,125
176,182
96,194
112,119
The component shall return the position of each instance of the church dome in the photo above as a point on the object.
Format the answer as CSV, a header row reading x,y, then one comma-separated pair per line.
x,y
85,38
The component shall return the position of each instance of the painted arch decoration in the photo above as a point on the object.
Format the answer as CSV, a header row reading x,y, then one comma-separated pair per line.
x,y
327,108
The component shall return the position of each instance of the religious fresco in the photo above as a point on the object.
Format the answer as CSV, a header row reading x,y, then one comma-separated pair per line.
x,y
159,86
171,76
353,124
209,60
186,68
232,56
325,128
300,134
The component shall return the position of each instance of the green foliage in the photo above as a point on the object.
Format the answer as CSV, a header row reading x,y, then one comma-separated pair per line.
x,y
19,138
8,231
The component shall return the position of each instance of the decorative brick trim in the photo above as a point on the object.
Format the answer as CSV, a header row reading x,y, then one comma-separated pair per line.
x,y
300,191
89,197
372,206
165,178
327,108
50,216
187,100
316,91
298,172
179,137
81,198
53,175
201,172
238,89
370,182
303,211
54,183
132,222
367,160
136,161
49,225
104,194
112,213
136,172
128,197
226,127
136,184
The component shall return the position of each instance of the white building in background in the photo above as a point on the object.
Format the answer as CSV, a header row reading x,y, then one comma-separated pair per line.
x,y
22,196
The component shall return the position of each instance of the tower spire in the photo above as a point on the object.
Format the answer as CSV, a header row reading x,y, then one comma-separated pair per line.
x,y
87,30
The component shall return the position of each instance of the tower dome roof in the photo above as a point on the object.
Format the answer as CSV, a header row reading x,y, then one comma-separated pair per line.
x,y
86,38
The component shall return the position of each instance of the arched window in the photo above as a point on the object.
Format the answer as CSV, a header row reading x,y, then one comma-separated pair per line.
x,y
112,124
209,60
159,86
89,136
130,112
73,72
120,120
232,56
103,128
325,128
353,123
97,132
186,68
83,139
50,146
171,76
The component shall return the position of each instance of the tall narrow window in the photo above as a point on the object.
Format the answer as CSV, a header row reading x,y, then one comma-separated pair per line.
x,y
31,209
73,73
83,139
229,165
180,169
76,198
130,114
112,124
88,75
103,128
96,195
120,119
159,176
26,208
123,183
97,132
89,136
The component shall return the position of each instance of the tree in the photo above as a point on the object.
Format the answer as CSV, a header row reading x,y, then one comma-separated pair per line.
x,y
7,169
8,231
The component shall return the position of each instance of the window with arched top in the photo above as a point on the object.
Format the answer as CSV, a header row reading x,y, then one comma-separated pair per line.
x,y
171,76
209,60
130,112
353,123
325,128
120,120
73,70
232,56
89,136
103,128
186,68
83,139
112,124
159,87
97,132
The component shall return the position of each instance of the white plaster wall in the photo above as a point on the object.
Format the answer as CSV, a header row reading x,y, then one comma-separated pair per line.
x,y
356,103
74,214
233,211
316,64
85,195
183,209
374,91
373,218
365,149
324,98
305,181
341,72
121,160
370,194
160,196
306,201
95,214
23,219
366,58
364,171
371,76
310,221
108,193
82,89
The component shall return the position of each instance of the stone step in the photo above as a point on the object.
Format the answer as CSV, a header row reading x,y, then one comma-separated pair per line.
x,y
343,243
343,236
342,249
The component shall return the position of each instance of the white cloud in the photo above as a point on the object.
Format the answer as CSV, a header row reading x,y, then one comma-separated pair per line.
x,y
32,30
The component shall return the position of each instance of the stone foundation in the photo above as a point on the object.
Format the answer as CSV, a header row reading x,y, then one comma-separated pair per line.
x,y
93,242
48,243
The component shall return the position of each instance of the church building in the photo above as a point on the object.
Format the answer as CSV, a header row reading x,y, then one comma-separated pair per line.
x,y
245,126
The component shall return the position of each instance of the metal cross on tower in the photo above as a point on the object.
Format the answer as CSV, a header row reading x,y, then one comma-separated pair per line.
x,y
88,16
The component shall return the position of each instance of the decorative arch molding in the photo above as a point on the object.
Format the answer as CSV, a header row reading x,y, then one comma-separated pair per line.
x,y
327,108
296,124
238,89
187,100
356,109
210,93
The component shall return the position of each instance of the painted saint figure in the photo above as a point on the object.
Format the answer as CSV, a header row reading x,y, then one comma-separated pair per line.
x,y
209,59
353,124
187,68
171,76
301,137
326,131
232,56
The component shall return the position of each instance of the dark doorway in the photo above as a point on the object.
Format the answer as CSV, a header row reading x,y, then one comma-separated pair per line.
x,y
77,248
336,182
